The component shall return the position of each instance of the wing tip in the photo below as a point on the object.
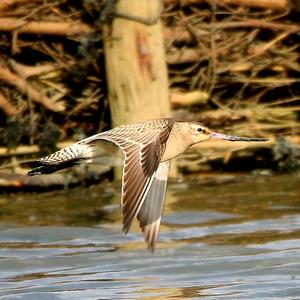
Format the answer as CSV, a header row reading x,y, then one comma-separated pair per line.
x,y
150,233
149,238
41,169
125,228
47,168
151,246
34,172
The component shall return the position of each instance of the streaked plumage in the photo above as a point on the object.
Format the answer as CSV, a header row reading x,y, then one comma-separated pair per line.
x,y
148,148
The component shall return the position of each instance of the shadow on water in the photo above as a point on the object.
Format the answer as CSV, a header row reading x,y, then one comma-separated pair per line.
x,y
227,241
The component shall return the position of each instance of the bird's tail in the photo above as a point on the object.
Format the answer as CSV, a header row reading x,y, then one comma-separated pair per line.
x,y
62,159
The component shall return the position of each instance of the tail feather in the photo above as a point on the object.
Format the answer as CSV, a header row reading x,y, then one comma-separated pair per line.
x,y
62,159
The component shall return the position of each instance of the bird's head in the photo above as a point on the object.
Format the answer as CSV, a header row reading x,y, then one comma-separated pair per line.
x,y
201,133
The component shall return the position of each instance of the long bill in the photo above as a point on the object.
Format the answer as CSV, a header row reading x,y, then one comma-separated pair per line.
x,y
232,138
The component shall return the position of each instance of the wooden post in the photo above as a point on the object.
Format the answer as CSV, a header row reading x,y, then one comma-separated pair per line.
x,y
135,63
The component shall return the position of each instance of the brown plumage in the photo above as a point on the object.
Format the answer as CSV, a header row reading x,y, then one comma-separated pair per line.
x,y
148,148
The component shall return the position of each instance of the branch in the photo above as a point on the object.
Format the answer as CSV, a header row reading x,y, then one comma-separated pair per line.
x,y
25,88
183,56
7,107
6,4
180,34
263,4
252,23
26,71
48,28
189,98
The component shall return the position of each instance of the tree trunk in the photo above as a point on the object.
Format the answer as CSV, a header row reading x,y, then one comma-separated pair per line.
x,y
135,64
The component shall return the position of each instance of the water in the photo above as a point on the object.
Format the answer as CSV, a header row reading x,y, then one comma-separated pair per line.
x,y
218,241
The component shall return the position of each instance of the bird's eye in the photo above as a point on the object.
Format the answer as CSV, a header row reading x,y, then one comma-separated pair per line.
x,y
200,129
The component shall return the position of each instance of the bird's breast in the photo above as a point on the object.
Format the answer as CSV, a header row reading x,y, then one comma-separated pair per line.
x,y
175,146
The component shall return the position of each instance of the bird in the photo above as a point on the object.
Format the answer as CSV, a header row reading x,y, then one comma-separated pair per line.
x,y
148,147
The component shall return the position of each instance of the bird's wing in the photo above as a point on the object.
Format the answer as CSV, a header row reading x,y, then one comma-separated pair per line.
x,y
149,215
62,159
143,145
86,149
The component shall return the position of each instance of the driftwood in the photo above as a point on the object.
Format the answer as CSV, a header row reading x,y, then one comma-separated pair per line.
x,y
183,56
252,23
263,4
6,4
25,88
8,108
182,34
25,71
53,28
189,98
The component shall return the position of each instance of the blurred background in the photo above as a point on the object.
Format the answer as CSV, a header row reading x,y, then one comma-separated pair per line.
x,y
70,69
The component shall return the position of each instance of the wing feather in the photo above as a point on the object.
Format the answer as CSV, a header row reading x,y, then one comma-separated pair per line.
x,y
149,215
143,145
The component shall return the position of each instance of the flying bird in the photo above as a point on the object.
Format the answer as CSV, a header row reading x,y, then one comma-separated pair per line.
x,y
148,148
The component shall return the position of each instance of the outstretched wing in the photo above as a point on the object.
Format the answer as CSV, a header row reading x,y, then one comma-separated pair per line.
x,y
149,216
143,145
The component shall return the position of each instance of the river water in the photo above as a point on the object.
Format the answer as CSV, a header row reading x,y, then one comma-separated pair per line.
x,y
230,240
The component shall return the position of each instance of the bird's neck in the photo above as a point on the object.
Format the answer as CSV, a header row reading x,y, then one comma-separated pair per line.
x,y
179,140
